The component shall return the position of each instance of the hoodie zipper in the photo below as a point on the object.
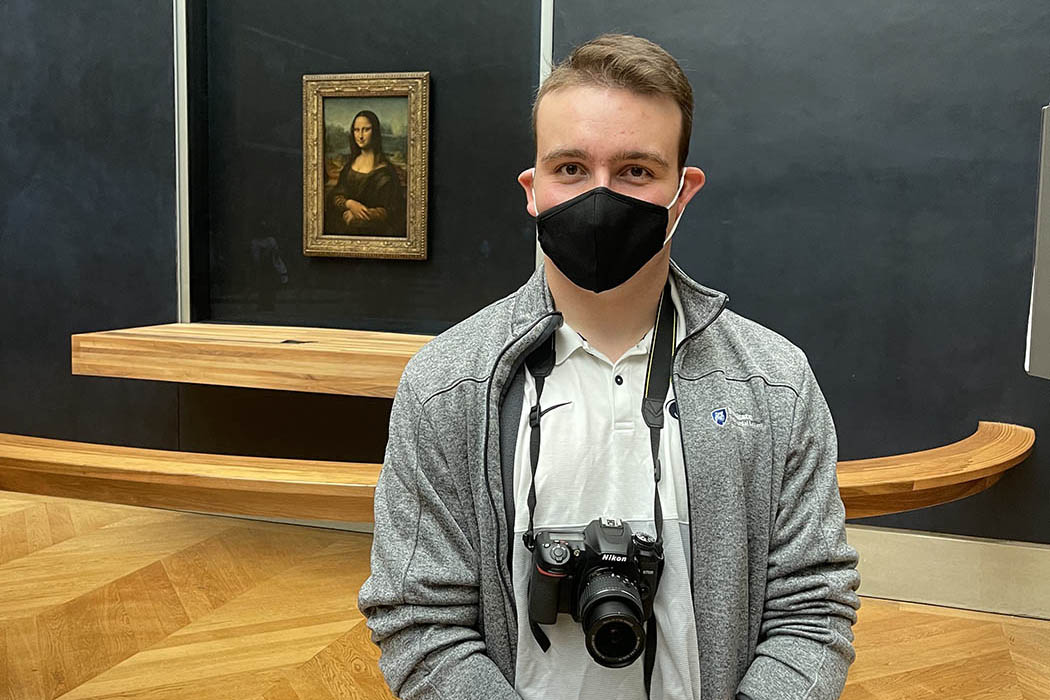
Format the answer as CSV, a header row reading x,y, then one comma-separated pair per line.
x,y
507,588
685,464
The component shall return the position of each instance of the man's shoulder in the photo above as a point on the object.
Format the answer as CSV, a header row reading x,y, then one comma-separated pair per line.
x,y
748,349
467,350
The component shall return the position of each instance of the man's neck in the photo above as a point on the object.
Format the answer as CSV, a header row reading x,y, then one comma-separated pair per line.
x,y
615,320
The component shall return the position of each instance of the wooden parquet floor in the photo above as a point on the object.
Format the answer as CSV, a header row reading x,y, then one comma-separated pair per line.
x,y
108,601
921,652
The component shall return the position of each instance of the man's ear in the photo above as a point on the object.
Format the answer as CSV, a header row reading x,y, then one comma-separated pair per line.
x,y
527,180
694,181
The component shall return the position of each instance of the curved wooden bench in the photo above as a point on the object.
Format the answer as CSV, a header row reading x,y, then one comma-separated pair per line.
x,y
259,486
884,485
344,491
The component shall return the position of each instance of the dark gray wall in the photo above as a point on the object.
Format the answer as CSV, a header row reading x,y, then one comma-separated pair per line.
x,y
876,163
871,195
483,70
87,211
87,202
482,61
298,425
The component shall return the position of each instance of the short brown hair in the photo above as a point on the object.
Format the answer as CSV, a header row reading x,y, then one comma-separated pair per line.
x,y
627,62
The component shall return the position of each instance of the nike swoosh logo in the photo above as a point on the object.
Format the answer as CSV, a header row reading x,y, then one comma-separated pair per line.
x,y
551,408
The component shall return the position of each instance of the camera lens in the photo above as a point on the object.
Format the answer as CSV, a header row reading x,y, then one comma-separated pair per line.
x,y
613,635
610,610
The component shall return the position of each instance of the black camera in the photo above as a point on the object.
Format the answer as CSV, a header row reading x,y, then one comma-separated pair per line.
x,y
605,577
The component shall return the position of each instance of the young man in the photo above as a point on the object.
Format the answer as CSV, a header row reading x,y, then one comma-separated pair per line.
x,y
522,454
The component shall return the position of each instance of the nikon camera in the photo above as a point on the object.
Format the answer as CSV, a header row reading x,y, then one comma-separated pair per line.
x,y
605,578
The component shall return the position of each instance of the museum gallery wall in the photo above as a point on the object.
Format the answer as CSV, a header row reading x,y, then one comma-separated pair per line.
x,y
876,162
872,172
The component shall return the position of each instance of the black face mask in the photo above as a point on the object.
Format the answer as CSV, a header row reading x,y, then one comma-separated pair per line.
x,y
600,239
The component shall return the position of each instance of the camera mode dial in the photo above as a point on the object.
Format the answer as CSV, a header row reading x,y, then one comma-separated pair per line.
x,y
644,539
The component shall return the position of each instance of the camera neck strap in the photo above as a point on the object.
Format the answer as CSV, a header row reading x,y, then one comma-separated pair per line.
x,y
540,364
657,379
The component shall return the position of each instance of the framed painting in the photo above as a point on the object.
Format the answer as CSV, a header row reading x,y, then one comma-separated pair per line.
x,y
365,145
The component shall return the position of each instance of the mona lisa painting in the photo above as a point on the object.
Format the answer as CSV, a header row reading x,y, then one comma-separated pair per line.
x,y
365,165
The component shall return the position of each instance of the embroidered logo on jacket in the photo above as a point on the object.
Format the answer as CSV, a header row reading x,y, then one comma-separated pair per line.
x,y
721,416
745,418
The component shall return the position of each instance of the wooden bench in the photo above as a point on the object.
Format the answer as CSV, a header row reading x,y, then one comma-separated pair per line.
x,y
913,480
344,491
237,485
316,360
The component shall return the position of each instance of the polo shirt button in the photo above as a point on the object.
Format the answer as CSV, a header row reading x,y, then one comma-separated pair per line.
x,y
619,379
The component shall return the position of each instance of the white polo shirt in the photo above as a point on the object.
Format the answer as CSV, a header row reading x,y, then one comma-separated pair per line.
x,y
596,461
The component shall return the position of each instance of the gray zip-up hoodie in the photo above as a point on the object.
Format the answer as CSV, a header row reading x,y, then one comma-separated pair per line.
x,y
773,578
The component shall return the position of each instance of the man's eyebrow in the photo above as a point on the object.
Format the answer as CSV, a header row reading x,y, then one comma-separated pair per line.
x,y
650,156
560,153
642,155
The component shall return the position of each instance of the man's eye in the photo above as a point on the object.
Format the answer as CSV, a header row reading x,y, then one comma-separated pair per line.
x,y
570,168
637,171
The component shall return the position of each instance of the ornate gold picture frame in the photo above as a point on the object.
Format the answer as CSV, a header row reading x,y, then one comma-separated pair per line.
x,y
365,147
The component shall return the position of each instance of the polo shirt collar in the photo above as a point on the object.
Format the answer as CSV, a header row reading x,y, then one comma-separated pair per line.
x,y
567,340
